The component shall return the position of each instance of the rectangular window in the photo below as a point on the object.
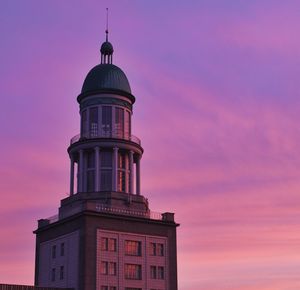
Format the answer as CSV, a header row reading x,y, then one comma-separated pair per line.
x,y
104,244
104,287
112,245
93,122
61,273
119,122
152,249
54,252
121,181
104,268
133,271
112,288
106,159
90,180
160,272
106,179
83,123
127,125
62,249
133,248
153,272
112,269
53,275
160,250
91,159
106,121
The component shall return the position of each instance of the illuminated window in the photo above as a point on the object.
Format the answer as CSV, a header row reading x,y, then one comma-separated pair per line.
x,y
133,271
104,268
112,245
104,244
112,269
133,248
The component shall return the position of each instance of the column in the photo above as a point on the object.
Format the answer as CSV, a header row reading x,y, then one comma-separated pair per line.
x,y
115,170
138,176
72,175
80,170
97,169
131,172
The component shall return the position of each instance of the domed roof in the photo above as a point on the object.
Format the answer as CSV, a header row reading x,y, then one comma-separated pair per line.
x,y
106,76
106,48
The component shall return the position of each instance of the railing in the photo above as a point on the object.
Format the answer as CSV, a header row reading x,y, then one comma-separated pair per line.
x,y
106,134
145,214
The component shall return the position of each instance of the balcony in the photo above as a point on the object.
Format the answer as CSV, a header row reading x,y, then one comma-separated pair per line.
x,y
117,134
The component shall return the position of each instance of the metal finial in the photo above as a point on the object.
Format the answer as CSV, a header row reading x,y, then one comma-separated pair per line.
x,y
106,31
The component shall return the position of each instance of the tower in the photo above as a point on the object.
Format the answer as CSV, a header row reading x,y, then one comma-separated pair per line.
x,y
105,237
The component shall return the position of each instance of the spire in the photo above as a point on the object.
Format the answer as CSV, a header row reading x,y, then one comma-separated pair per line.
x,y
106,31
106,47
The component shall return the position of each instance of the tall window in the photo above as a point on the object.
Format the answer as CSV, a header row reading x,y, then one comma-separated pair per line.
x,y
61,273
152,272
106,170
133,248
84,123
112,268
53,274
90,171
127,126
160,250
106,121
108,244
123,171
133,271
119,122
62,249
93,124
53,252
160,272
104,268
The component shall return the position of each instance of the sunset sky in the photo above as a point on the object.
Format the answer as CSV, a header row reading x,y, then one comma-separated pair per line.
x,y
217,86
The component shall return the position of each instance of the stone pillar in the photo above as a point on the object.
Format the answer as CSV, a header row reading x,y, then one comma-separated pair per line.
x,y
81,161
138,176
72,176
97,169
115,170
131,174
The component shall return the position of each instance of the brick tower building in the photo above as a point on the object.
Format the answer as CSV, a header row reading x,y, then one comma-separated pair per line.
x,y
105,237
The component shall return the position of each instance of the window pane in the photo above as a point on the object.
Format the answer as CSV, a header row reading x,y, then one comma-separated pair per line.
x,y
160,249
133,271
104,244
119,122
104,268
62,249
160,273
127,125
91,159
106,120
83,123
90,180
61,273
133,248
106,158
152,249
93,122
54,252
112,268
153,272
112,246
106,179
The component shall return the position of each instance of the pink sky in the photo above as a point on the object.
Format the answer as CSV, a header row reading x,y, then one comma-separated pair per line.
x,y
217,89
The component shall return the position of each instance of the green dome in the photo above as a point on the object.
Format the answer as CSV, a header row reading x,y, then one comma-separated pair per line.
x,y
105,76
